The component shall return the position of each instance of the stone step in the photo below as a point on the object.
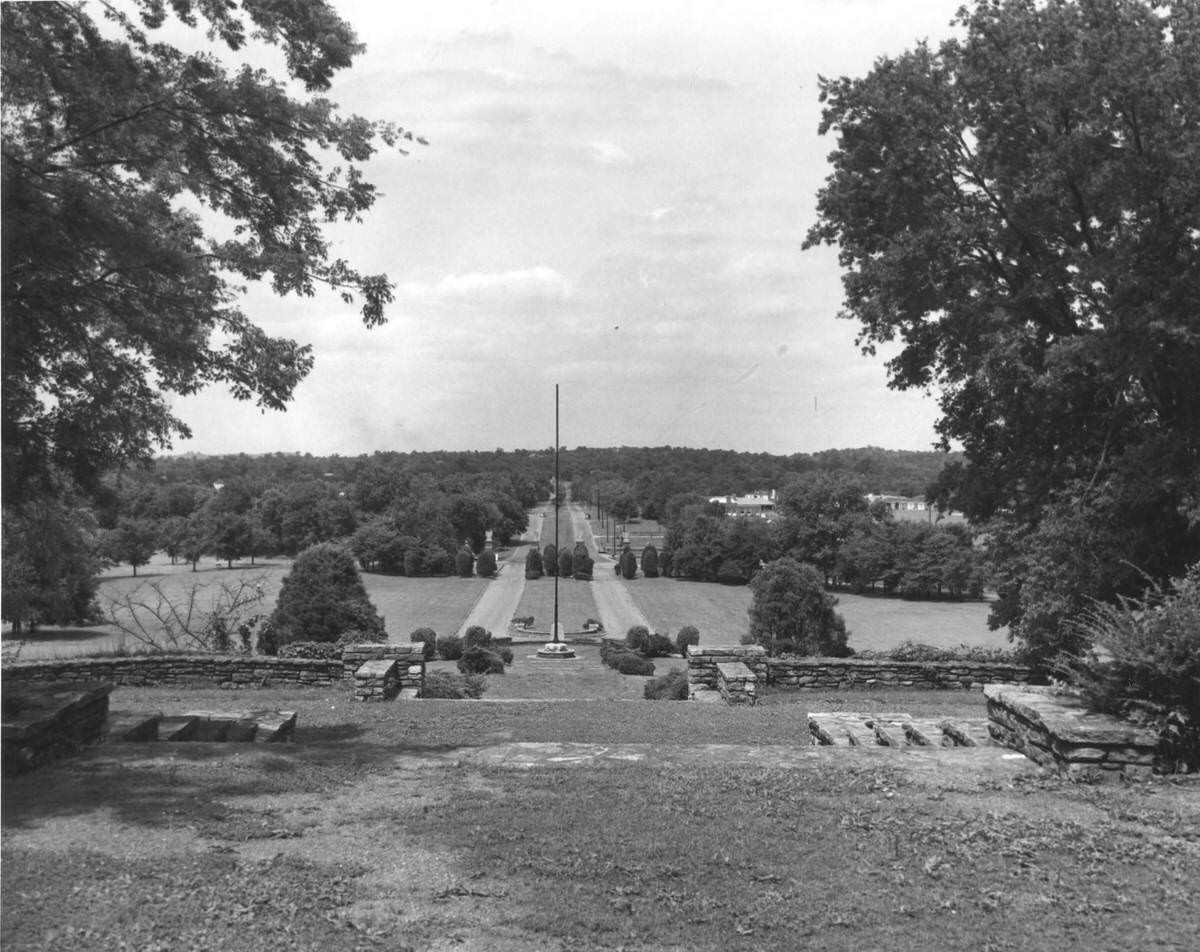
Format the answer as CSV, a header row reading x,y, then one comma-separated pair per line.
x,y
177,728
131,726
894,729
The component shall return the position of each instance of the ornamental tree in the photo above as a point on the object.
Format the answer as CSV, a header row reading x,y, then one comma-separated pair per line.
x,y
1018,210
115,290
790,604
323,597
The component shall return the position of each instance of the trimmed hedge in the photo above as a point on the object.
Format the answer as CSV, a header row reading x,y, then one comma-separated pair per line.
x,y
672,686
450,647
477,660
427,637
632,664
454,687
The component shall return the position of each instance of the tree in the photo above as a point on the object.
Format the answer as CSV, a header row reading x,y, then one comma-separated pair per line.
x,y
114,293
133,541
323,597
650,561
629,565
533,563
50,565
550,559
485,565
790,606
566,563
1018,208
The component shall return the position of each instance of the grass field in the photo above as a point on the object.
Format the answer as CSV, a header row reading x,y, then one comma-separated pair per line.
x,y
719,611
382,829
441,603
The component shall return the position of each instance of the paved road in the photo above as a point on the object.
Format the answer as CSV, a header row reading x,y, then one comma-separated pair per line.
x,y
616,606
499,600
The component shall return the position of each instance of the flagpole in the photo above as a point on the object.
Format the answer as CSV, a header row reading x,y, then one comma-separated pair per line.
x,y
557,491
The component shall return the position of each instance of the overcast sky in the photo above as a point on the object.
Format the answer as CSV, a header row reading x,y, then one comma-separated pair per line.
x,y
613,199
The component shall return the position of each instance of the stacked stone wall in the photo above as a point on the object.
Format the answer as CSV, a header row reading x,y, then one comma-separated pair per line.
x,y
410,661
47,725
835,673
1057,731
737,683
166,669
702,661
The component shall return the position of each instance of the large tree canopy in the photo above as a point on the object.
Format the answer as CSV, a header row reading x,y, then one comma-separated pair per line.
x,y
1020,209
115,289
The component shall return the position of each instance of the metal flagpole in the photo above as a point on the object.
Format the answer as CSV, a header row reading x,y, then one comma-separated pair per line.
x,y
557,491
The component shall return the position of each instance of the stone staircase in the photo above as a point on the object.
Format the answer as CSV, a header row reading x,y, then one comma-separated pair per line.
x,y
851,729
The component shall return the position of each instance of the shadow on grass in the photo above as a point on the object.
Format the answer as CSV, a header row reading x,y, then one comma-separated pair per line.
x,y
165,785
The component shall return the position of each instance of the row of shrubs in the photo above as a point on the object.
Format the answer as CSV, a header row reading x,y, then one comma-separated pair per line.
x,y
641,645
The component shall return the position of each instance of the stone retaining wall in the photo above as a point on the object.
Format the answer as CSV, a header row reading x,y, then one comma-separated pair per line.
x,y
410,661
737,683
1057,731
46,725
835,673
226,670
831,674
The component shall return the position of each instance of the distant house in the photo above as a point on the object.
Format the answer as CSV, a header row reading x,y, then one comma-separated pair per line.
x,y
913,509
760,504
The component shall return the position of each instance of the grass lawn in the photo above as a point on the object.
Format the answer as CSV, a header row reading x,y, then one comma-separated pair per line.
x,y
376,830
584,678
719,611
575,603
441,603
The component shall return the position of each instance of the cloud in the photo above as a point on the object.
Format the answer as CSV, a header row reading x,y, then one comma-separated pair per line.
x,y
608,153
539,283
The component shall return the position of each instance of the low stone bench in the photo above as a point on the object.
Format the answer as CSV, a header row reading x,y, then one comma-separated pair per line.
x,y
737,683
1057,731
377,680
233,727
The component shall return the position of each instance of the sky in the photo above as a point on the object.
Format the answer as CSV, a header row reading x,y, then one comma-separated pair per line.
x,y
613,199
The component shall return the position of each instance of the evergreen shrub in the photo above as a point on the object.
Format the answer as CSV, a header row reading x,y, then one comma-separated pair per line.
x,y
449,647
672,686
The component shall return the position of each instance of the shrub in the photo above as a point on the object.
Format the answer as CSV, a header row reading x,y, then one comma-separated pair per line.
x,y
672,686
650,561
477,660
533,563
325,650
428,638
637,637
790,604
566,564
454,687
550,560
506,653
632,664
658,646
628,564
915,651
450,647
464,563
322,597
1148,663
476,637
357,636
688,635
485,565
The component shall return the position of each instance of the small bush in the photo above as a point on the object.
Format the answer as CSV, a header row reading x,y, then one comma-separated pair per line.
x,y
915,651
485,565
464,563
454,687
533,563
632,664
672,686
450,647
658,646
1148,666
688,635
356,636
480,661
325,650
628,565
637,637
427,637
476,637
506,654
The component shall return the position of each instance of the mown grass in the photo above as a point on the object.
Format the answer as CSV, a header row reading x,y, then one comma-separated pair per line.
x,y
367,833
719,611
